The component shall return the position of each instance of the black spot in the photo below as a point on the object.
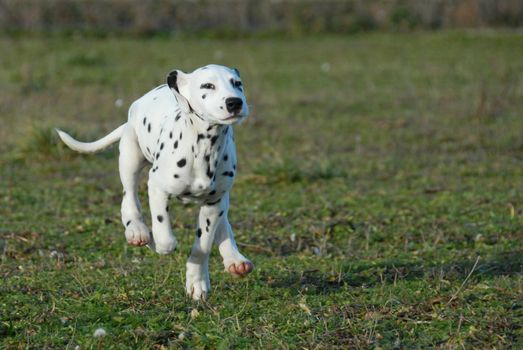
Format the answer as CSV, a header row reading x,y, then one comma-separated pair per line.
x,y
178,117
148,150
176,176
225,157
208,222
228,173
188,193
199,137
213,192
213,140
207,228
144,121
210,173
171,135
181,163
216,163
207,157
225,130
149,127
128,223
160,218
176,144
154,169
209,128
234,166
199,232
181,135
161,146
157,155
155,98
167,208
208,136
192,148
221,213
203,96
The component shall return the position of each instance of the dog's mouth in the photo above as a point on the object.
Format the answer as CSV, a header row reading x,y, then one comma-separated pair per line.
x,y
233,118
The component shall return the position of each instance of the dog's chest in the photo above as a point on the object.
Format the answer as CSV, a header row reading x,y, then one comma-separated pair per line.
x,y
195,165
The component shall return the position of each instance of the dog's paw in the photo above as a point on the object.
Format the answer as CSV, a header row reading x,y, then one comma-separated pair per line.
x,y
197,284
239,268
198,289
137,234
163,246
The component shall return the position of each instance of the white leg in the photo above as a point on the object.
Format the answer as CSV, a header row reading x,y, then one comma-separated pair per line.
x,y
131,161
197,283
234,262
163,241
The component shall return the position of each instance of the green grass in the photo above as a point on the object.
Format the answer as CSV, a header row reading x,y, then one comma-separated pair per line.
x,y
380,198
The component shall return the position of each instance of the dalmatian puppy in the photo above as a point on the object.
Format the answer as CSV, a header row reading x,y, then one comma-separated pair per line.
x,y
183,129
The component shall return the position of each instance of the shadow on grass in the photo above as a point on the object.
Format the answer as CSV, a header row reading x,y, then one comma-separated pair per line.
x,y
289,171
389,272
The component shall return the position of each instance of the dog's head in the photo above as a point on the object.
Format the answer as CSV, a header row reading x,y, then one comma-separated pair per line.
x,y
214,93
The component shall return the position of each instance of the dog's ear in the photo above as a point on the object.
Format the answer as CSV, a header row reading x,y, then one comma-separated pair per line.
x,y
177,81
237,72
171,80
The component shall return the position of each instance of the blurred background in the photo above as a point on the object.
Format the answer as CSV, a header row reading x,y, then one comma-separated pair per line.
x,y
243,17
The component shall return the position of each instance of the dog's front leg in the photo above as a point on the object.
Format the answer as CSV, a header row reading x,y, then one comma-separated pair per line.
x,y
198,283
234,262
163,241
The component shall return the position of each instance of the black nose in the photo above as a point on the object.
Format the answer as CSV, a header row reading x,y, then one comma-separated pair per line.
x,y
234,104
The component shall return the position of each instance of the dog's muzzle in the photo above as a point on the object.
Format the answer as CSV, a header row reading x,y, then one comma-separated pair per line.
x,y
234,104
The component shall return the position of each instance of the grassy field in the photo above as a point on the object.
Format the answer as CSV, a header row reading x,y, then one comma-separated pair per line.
x,y
380,196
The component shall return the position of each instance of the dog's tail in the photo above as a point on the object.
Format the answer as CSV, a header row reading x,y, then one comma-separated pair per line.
x,y
92,147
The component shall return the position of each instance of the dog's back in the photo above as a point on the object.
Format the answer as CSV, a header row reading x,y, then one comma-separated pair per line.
x,y
147,116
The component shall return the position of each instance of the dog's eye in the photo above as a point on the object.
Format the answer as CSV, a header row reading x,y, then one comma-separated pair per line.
x,y
207,86
236,83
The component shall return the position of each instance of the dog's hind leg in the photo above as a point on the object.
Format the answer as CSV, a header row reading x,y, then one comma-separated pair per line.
x,y
131,162
197,283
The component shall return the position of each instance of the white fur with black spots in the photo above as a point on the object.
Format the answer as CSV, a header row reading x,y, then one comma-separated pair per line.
x,y
183,129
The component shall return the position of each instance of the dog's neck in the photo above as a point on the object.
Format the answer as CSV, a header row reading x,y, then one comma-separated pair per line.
x,y
205,129
210,143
